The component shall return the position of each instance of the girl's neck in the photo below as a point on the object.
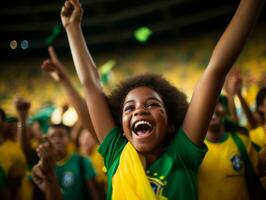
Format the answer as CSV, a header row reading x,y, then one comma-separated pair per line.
x,y
151,157
156,154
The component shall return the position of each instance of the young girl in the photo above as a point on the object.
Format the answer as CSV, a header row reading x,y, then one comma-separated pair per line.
x,y
152,144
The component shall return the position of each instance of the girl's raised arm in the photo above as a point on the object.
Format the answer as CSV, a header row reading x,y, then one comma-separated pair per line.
x,y
71,15
223,57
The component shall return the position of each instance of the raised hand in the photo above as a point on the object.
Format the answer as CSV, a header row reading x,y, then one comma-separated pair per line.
x,y
47,155
39,177
230,82
238,83
46,182
71,12
57,71
53,65
22,107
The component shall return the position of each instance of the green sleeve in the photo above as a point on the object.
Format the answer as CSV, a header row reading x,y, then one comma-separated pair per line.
x,y
112,146
181,146
89,171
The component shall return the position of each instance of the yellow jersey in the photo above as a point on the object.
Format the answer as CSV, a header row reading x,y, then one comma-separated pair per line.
x,y
222,172
258,136
12,159
97,161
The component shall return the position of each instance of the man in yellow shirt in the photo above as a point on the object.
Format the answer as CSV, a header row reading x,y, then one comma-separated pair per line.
x,y
12,159
222,172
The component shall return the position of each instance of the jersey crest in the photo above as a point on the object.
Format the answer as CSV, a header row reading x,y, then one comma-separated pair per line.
x,y
157,185
68,179
237,163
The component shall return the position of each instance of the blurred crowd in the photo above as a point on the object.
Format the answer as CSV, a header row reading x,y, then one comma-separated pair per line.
x,y
191,153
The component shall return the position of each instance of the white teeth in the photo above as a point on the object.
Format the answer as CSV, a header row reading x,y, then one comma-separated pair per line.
x,y
142,122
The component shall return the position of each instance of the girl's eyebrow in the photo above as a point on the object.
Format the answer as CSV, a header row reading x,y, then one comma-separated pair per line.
x,y
148,99
154,98
129,101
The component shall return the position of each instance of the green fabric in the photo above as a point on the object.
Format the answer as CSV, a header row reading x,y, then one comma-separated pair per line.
x,y
255,188
173,175
230,125
2,178
223,139
241,147
224,101
70,178
111,149
256,147
43,117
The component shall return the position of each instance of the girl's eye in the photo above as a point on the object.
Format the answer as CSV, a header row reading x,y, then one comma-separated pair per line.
x,y
128,108
151,105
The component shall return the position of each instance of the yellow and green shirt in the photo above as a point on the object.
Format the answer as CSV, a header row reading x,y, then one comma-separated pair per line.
x,y
173,175
12,159
97,161
222,172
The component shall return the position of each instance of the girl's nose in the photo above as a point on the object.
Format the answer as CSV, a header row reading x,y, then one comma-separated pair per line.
x,y
140,111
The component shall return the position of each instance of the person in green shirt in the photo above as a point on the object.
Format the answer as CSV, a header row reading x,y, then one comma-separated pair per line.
x,y
151,115
73,173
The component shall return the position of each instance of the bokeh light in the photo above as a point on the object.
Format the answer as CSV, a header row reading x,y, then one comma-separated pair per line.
x,y
142,34
13,44
24,44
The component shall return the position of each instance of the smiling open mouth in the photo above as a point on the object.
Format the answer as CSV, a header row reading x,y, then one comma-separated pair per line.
x,y
142,127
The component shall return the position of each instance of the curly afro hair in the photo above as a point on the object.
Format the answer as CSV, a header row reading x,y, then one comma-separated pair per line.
x,y
174,100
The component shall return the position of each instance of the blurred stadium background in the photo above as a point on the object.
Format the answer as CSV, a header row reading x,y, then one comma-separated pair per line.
x,y
171,37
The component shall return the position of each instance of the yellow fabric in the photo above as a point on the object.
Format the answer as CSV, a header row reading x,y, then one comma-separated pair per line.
x,y
250,93
34,143
12,159
258,136
97,161
71,148
14,164
130,181
217,177
26,189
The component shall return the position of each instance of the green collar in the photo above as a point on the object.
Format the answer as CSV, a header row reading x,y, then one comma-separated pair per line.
x,y
223,139
161,167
